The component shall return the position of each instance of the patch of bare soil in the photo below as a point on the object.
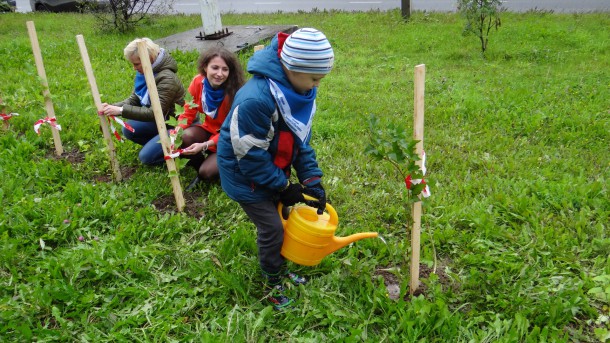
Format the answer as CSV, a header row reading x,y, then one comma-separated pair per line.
x,y
73,156
192,205
392,281
126,173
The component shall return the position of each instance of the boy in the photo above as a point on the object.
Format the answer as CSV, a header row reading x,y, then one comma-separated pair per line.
x,y
266,133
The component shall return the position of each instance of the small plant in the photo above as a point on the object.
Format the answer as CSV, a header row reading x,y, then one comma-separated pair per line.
x,y
175,135
393,145
481,16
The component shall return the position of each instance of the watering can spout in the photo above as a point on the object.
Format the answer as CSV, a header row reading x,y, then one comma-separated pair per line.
x,y
339,242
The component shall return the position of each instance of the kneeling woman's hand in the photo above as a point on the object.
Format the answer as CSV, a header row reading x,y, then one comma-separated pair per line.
x,y
196,148
111,110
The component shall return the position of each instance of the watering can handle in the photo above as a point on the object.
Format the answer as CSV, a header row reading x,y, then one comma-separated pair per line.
x,y
329,208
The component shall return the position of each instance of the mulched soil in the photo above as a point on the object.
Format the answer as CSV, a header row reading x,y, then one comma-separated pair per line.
x,y
192,205
73,156
126,173
392,281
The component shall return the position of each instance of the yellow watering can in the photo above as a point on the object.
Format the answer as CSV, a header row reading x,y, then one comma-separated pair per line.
x,y
309,237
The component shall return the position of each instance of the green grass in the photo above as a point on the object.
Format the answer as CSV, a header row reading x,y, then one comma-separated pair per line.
x,y
517,148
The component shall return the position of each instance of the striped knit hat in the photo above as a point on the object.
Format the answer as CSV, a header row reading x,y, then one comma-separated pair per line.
x,y
307,51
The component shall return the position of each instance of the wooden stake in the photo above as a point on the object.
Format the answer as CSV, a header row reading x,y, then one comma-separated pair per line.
x,y
418,134
48,103
98,104
160,121
258,47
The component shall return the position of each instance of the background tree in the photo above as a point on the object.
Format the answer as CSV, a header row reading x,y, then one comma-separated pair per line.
x,y
481,16
6,7
125,15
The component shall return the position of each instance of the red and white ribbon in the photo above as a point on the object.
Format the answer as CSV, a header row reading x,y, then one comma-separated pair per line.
x,y
113,129
409,182
47,120
174,154
173,134
123,124
6,117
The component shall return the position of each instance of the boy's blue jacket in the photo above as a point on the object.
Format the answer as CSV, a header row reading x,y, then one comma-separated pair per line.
x,y
250,137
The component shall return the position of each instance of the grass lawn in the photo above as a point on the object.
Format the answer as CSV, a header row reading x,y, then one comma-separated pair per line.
x,y
515,242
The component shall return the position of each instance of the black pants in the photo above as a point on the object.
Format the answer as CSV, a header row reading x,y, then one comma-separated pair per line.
x,y
269,234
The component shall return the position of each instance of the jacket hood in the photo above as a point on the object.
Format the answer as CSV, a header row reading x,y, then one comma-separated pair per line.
x,y
267,63
167,62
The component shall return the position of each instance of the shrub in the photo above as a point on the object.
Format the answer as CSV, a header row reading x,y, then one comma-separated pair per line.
x,y
125,15
5,6
481,16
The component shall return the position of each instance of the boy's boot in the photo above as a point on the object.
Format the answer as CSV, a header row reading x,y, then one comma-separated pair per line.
x,y
294,278
275,291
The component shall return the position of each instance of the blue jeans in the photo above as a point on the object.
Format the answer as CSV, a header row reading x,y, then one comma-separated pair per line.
x,y
146,134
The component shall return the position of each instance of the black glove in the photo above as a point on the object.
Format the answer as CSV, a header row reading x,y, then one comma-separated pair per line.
x,y
319,193
292,194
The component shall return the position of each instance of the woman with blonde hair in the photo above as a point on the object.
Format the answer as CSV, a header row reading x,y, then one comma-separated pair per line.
x,y
136,108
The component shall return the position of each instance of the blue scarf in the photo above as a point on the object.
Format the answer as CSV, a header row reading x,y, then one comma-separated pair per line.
x,y
211,98
297,109
140,87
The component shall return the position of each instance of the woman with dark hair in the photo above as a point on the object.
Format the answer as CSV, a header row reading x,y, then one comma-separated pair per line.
x,y
213,89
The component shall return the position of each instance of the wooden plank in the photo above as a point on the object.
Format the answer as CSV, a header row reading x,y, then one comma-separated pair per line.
x,y
160,121
98,104
418,134
241,38
48,103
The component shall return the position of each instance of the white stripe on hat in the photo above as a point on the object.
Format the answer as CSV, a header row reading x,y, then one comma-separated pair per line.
x,y
307,50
